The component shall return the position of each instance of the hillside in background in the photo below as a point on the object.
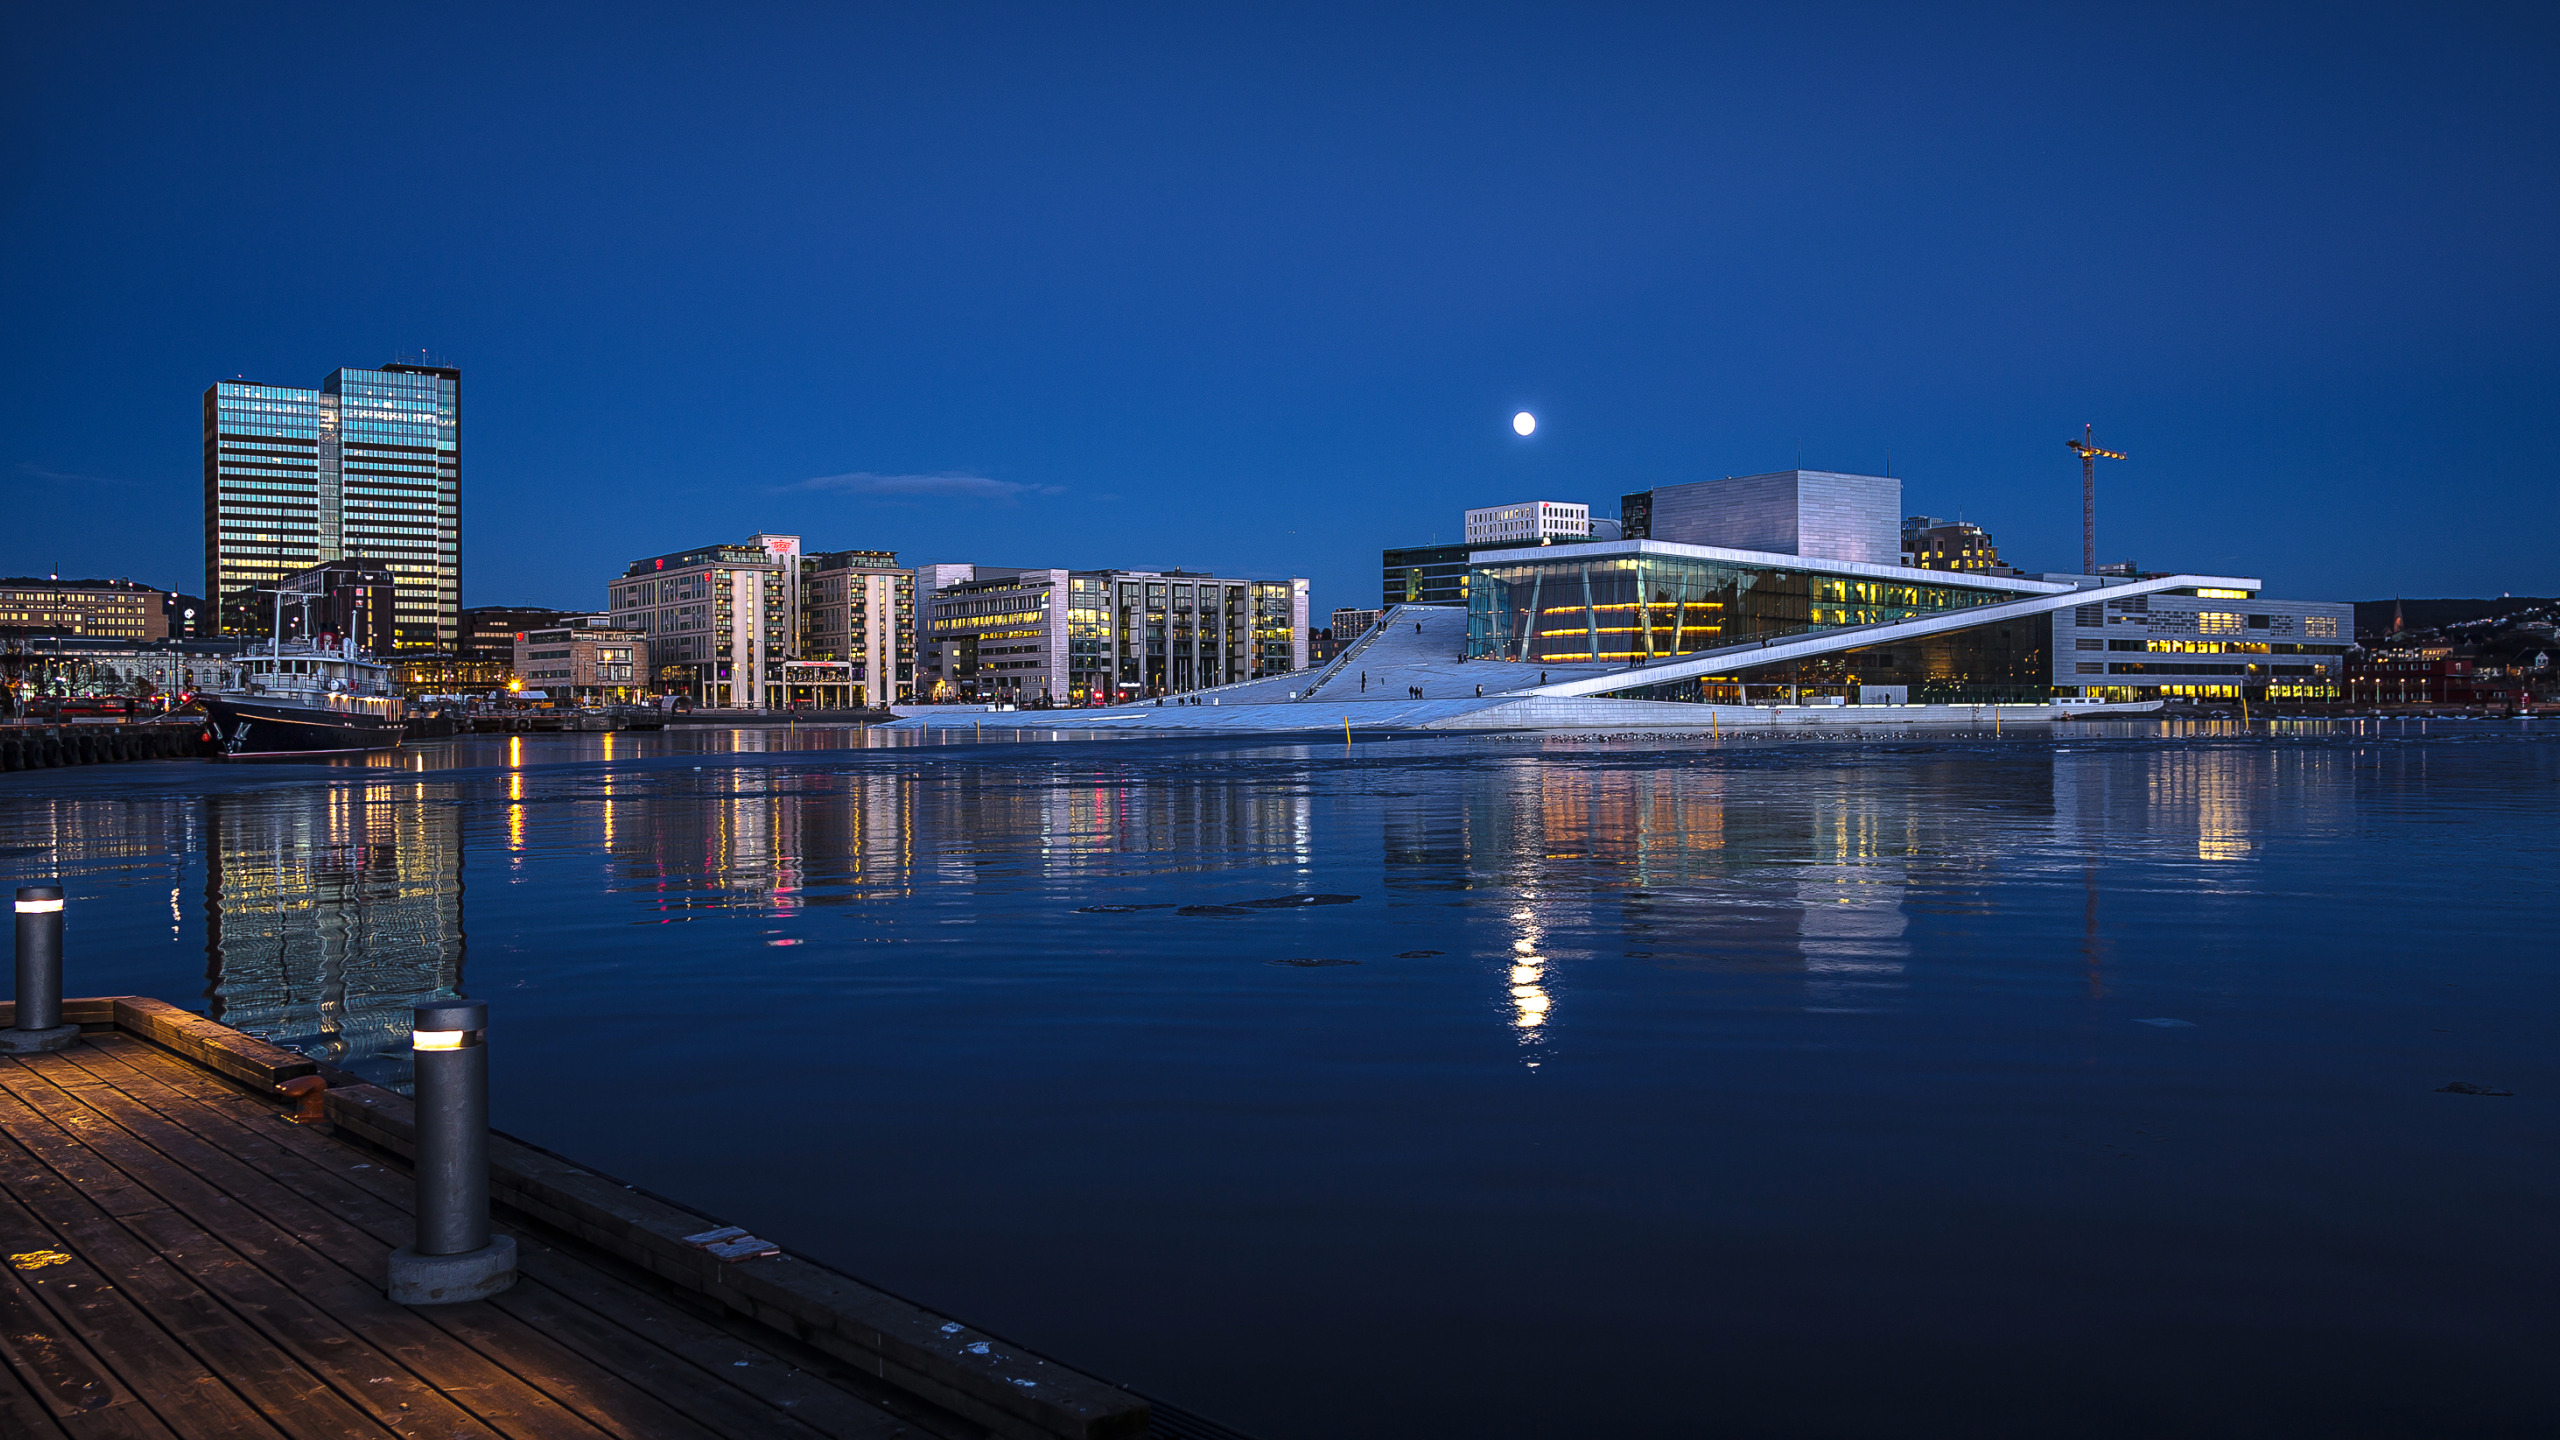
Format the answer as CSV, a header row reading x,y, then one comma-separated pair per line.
x,y
2373,617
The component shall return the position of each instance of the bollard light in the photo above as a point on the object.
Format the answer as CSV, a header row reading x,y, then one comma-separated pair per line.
x,y
454,1257
38,1026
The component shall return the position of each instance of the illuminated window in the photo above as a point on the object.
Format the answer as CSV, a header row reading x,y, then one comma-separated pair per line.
x,y
2218,622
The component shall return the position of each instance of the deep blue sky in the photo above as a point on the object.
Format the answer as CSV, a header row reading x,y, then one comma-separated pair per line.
x,y
1258,290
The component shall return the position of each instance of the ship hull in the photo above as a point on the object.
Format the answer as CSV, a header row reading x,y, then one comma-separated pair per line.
x,y
251,730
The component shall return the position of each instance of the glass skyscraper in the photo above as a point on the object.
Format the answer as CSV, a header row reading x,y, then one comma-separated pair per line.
x,y
366,467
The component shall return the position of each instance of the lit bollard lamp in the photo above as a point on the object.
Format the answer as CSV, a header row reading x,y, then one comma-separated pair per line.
x,y
454,1258
39,1026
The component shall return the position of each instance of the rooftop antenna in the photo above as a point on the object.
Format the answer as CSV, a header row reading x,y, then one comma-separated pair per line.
x,y
2090,455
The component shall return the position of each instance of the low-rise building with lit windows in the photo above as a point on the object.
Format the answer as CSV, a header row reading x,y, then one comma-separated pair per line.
x,y
96,609
1083,637
583,664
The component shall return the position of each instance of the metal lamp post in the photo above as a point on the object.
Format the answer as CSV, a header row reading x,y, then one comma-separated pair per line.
x,y
38,1025
454,1258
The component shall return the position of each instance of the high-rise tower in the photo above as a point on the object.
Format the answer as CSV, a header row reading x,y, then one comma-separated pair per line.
x,y
366,467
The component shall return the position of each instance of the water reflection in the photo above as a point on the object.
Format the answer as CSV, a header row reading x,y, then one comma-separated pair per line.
x,y
327,914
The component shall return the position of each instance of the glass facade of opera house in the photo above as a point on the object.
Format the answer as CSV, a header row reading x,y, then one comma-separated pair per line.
x,y
1637,601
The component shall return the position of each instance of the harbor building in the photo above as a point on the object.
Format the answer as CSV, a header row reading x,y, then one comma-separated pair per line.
x,y
1819,514
1082,637
366,467
720,621
586,664
101,609
857,631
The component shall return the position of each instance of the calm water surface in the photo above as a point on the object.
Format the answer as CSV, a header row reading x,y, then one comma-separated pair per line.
x,y
1924,1087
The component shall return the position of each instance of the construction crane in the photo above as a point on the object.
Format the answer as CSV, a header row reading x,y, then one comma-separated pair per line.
x,y
2090,454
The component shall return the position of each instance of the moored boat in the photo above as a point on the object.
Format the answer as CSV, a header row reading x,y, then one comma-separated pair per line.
x,y
301,698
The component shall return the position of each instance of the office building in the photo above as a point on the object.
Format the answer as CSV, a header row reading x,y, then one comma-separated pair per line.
x,y
338,598
105,609
1350,624
857,631
1081,637
188,617
2209,642
1701,618
1437,574
1530,522
584,664
1929,543
720,620
1425,574
366,467
1818,514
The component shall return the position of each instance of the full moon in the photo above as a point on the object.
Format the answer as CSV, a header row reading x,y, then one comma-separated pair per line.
x,y
1524,422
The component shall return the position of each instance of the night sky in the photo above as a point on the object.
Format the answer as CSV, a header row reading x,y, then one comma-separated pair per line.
x,y
1258,291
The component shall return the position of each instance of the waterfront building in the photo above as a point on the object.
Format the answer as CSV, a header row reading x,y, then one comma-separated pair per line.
x,y
368,466
421,674
489,631
721,620
584,663
1350,624
1929,543
1530,522
1081,637
1727,625
106,609
857,631
1818,514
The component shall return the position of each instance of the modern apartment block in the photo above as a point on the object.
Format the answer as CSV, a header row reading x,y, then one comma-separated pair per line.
x,y
857,631
1818,514
1349,624
1084,637
109,609
366,467
720,620
1531,522
591,664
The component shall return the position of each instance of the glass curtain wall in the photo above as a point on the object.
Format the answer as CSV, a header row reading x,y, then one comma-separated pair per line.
x,y
1630,609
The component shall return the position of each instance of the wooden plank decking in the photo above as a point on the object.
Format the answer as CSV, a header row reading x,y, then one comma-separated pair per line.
x,y
183,1263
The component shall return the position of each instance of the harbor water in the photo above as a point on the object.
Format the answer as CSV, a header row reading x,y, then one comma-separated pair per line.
x,y
2131,1080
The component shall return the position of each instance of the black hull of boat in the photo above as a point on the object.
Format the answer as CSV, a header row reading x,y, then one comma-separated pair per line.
x,y
251,731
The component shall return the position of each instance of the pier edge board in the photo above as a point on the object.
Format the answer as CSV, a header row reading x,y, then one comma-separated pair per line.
x,y
909,1346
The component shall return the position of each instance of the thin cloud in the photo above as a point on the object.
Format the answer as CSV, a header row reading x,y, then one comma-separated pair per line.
x,y
65,477
949,485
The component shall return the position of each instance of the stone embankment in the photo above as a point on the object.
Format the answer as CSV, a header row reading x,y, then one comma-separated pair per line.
x,y
41,747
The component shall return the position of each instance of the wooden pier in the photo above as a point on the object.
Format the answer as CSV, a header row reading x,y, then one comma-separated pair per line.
x,y
183,1261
